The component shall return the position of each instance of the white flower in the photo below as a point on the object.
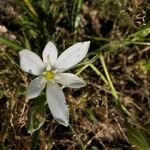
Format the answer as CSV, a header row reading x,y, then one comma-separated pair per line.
x,y
50,72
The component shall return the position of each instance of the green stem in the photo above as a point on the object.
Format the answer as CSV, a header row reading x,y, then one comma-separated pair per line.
x,y
35,139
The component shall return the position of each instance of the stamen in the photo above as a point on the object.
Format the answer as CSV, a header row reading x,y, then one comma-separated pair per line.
x,y
49,75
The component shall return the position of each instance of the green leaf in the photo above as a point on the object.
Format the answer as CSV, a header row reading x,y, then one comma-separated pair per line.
x,y
36,118
10,43
138,138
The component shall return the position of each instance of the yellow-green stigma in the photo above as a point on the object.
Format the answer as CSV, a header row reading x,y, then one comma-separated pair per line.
x,y
49,75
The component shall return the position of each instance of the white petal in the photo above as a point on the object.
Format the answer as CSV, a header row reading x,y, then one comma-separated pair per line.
x,y
35,87
31,62
50,53
69,80
72,56
57,104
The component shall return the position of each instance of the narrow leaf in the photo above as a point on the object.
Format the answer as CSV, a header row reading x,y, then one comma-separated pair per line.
x,y
9,43
138,138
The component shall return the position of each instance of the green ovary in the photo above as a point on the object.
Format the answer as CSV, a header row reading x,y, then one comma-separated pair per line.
x,y
49,75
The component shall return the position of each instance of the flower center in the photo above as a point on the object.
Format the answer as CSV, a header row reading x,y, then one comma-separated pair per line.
x,y
49,75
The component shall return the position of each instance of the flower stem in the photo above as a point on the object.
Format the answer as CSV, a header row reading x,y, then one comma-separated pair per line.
x,y
35,140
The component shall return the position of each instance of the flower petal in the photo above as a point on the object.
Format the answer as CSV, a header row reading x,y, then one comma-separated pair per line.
x,y
57,104
31,62
50,53
35,87
69,80
72,56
